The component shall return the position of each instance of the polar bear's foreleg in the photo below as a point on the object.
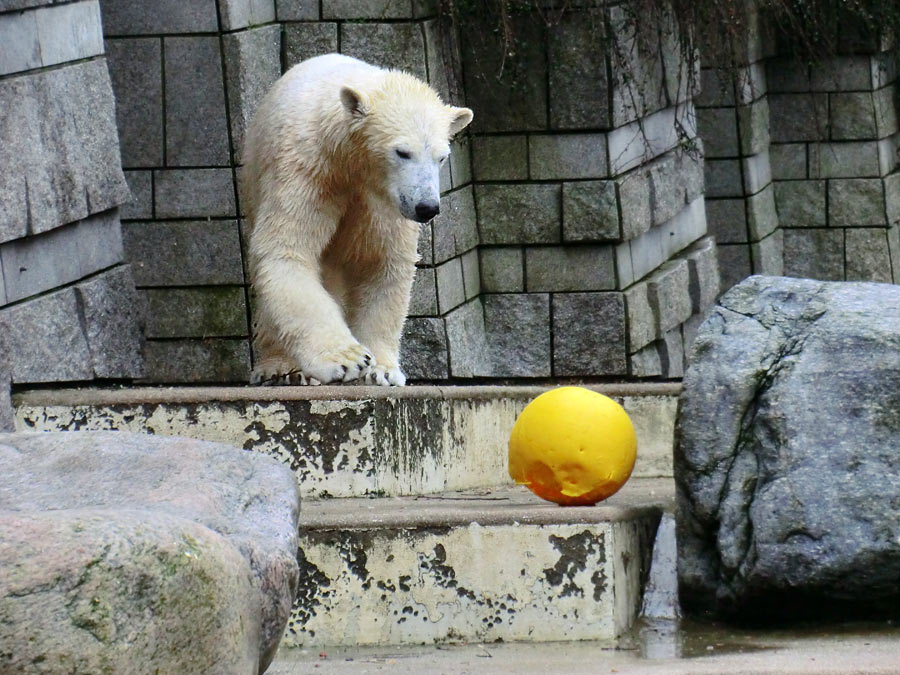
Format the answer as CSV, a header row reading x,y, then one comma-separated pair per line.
x,y
307,321
381,305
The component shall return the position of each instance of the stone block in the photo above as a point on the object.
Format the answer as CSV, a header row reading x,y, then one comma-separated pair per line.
x,y
723,178
138,17
676,179
113,320
196,127
856,202
892,198
703,267
45,340
762,216
893,235
578,82
236,14
58,129
522,213
21,44
517,329
757,172
47,36
468,349
657,245
668,290
569,268
642,320
297,10
423,298
785,74
631,145
69,32
455,228
716,87
565,156
798,117
140,183
366,9
589,334
184,253
734,263
888,153
868,255
814,254
767,255
842,73
40,263
852,116
719,129
753,122
788,161
751,83
635,202
425,244
885,111
727,219
213,360
638,78
441,73
508,91
645,363
460,161
883,68
590,211
450,289
852,159
305,40
194,193
390,45
7,412
500,157
252,65
213,311
135,67
471,274
671,354
423,350
502,270
801,203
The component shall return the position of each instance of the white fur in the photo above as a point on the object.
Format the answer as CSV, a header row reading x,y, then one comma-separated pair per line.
x,y
332,249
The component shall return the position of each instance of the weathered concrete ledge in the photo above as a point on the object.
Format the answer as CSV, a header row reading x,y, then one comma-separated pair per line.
x,y
477,566
350,441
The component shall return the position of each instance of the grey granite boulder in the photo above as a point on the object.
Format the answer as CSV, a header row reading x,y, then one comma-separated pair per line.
x,y
787,458
126,553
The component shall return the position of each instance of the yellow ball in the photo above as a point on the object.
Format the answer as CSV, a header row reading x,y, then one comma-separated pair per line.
x,y
572,446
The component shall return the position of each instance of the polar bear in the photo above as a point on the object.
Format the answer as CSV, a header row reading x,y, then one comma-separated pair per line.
x,y
341,164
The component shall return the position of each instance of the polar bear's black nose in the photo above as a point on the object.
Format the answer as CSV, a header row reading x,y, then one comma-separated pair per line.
x,y
425,211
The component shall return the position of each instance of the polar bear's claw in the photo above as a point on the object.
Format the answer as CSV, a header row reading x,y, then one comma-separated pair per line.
x,y
385,376
344,364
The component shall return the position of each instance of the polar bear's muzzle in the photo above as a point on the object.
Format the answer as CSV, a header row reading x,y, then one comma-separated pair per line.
x,y
418,190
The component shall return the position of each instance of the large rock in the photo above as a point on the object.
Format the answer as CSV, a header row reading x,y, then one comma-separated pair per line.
x,y
128,553
787,455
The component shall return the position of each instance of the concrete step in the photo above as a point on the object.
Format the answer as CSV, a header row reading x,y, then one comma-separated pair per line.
x,y
351,441
483,565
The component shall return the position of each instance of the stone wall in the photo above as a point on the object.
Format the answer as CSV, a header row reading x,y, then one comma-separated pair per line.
x,y
801,173
68,309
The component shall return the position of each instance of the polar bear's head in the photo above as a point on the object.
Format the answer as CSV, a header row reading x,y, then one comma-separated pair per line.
x,y
407,131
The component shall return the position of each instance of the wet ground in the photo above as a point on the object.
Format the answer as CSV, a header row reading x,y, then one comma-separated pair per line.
x,y
657,647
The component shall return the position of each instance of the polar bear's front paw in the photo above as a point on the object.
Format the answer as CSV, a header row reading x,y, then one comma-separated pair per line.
x,y
385,376
344,364
273,372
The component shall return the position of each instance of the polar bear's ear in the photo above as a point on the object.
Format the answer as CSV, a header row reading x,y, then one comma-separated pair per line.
x,y
354,102
460,119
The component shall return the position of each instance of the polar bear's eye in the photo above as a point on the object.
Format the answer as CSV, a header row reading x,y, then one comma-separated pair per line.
x,y
443,159
403,154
